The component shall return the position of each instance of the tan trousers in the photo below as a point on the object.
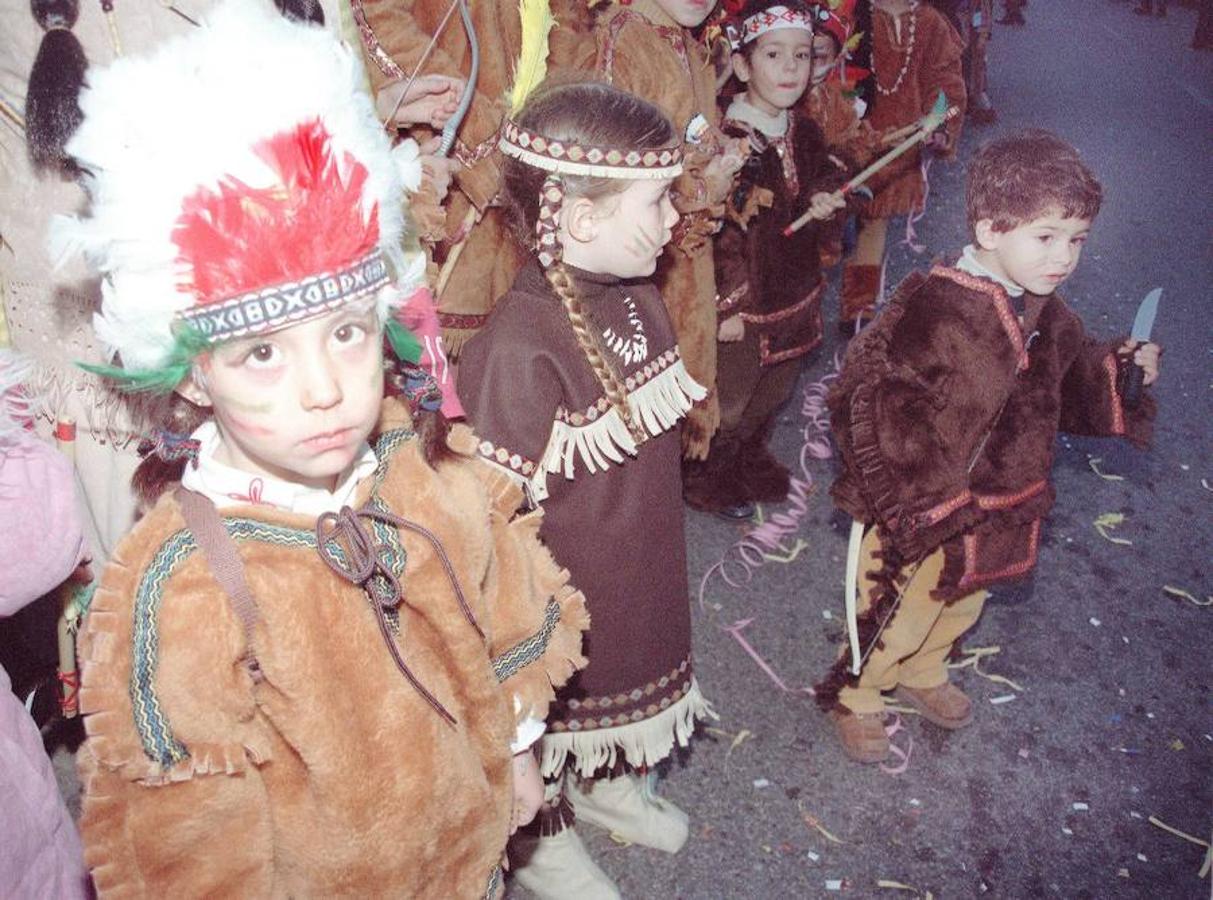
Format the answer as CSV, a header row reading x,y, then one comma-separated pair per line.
x,y
918,637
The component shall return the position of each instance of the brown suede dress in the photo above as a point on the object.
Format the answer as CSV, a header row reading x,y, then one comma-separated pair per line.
x,y
332,776
613,511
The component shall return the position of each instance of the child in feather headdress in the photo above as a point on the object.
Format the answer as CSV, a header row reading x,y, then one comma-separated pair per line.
x,y
329,640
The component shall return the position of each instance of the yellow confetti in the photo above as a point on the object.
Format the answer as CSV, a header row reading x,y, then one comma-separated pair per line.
x,y
813,822
735,740
901,710
974,656
1094,461
789,553
1109,522
1185,595
902,886
1176,744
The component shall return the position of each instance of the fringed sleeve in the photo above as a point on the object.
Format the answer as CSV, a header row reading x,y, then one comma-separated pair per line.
x,y
899,470
173,800
942,70
538,617
1091,401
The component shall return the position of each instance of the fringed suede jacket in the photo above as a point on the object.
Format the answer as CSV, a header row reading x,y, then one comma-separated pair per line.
x,y
946,415
324,770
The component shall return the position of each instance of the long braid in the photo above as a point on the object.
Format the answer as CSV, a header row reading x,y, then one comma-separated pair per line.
x,y
562,283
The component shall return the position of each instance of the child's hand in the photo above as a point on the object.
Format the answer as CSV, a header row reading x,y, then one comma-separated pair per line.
x,y
437,170
731,330
822,205
1146,356
432,100
937,142
719,172
528,789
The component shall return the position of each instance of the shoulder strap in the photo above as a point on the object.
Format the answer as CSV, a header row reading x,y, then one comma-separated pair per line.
x,y
203,521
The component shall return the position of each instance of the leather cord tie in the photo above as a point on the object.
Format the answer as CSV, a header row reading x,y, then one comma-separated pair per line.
x,y
361,559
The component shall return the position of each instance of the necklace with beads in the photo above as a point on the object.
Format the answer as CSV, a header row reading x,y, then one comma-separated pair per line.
x,y
633,349
905,64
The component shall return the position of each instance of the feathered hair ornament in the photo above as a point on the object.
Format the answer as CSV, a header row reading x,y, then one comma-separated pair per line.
x,y
532,65
239,183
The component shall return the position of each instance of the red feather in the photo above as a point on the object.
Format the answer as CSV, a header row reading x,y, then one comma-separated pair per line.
x,y
237,238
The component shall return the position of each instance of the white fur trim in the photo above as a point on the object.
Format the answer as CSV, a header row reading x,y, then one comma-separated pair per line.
x,y
643,743
158,127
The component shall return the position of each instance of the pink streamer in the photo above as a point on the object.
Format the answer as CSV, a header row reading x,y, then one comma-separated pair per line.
x,y
738,564
911,238
735,629
903,755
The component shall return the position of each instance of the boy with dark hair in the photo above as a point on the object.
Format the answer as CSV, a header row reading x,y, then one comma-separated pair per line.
x,y
946,415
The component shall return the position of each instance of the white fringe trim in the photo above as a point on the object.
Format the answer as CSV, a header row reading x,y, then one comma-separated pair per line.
x,y
643,743
659,404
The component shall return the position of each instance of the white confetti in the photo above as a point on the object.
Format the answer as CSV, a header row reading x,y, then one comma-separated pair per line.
x,y
1066,831
761,783
1135,815
814,856
914,801
1120,691
1124,638
1094,621
1142,857
1149,715
1080,807
1003,698
833,884
826,614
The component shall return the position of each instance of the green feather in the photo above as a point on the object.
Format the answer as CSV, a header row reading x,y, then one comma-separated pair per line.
x,y
188,343
404,343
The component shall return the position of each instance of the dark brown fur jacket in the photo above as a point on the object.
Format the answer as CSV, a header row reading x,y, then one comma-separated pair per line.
x,y
931,454
332,776
770,279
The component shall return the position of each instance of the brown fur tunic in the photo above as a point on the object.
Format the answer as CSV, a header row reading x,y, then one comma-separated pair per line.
x,y
931,454
771,279
332,777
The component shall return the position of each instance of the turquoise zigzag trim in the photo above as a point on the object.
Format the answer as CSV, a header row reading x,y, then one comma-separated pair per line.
x,y
155,732
527,651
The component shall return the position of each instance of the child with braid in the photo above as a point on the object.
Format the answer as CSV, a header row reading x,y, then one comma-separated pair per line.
x,y
577,390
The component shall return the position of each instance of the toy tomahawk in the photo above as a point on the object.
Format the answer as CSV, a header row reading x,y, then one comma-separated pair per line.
x,y
925,127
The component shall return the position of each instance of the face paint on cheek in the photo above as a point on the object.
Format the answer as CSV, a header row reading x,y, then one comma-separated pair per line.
x,y
248,427
642,244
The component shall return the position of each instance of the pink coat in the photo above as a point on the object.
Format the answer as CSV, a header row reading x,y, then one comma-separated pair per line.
x,y
41,542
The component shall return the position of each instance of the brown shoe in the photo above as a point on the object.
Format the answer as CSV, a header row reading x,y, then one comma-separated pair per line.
x,y
946,705
862,735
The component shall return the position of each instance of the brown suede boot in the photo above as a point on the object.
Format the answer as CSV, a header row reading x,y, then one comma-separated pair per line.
x,y
945,705
860,284
765,478
862,735
714,485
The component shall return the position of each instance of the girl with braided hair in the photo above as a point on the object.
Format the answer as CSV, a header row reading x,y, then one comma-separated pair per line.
x,y
578,391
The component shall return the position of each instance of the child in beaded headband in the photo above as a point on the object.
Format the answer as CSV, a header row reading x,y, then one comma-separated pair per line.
x,y
332,643
577,390
770,283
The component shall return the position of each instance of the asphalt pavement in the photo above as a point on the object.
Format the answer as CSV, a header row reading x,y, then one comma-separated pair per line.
x,y
1050,793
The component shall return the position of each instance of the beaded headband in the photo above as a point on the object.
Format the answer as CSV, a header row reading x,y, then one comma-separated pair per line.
x,y
774,18
559,158
599,162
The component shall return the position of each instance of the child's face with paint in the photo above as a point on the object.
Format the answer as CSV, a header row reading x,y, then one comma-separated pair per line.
x,y
296,404
621,234
825,54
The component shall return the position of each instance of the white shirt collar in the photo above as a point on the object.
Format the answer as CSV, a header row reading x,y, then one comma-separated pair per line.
x,y
968,263
775,126
228,486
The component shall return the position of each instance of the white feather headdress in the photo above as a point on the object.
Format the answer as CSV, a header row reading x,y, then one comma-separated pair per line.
x,y
182,148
